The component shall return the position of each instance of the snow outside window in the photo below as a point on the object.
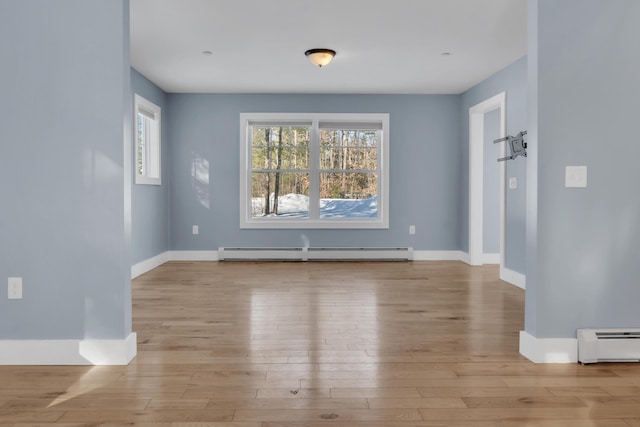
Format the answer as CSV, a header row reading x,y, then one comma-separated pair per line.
x,y
147,141
314,170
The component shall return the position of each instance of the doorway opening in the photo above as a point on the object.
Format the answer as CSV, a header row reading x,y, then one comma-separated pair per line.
x,y
476,179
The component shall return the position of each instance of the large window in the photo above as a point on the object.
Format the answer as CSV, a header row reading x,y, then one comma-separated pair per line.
x,y
147,141
314,170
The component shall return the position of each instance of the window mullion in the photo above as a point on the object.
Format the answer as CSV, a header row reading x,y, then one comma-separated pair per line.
x,y
314,172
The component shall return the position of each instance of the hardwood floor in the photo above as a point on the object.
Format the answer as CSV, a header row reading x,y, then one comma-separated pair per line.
x,y
418,344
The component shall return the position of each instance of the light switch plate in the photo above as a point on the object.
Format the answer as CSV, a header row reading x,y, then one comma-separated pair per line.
x,y
513,183
575,177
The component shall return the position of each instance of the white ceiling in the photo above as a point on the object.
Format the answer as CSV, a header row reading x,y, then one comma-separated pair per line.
x,y
383,46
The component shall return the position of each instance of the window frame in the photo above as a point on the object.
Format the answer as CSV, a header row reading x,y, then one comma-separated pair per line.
x,y
314,221
153,146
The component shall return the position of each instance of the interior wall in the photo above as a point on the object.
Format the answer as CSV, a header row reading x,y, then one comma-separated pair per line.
x,y
63,128
513,81
584,109
491,185
150,203
424,170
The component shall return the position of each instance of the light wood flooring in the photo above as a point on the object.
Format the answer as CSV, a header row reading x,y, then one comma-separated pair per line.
x,y
417,344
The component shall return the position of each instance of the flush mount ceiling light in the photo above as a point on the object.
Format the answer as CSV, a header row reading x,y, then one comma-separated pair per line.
x,y
320,57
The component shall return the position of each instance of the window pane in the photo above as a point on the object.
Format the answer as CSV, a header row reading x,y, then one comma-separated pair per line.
x,y
140,147
349,138
348,195
281,194
152,161
275,158
348,158
280,147
349,149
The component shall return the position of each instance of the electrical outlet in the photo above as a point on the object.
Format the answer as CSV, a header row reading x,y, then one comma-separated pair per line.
x,y
412,229
195,229
14,288
575,177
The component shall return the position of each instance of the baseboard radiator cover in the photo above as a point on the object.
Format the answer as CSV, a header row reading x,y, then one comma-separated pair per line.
x,y
315,254
608,345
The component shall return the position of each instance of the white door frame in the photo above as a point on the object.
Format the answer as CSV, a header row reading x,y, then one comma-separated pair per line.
x,y
476,185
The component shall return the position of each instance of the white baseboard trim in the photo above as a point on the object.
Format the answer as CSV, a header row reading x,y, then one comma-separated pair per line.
x,y
437,255
213,255
156,261
68,352
491,258
548,350
513,277
509,276
149,264
193,255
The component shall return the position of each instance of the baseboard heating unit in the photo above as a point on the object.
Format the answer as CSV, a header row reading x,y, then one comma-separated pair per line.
x,y
608,345
315,254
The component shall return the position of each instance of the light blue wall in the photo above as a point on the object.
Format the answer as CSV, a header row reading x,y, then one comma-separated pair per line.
x,y
513,81
64,113
150,203
424,170
65,168
491,185
585,104
530,300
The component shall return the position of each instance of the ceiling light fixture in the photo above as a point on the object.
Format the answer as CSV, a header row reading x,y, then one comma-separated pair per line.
x,y
320,57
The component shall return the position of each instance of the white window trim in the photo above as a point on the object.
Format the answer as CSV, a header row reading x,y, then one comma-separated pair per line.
x,y
153,151
246,221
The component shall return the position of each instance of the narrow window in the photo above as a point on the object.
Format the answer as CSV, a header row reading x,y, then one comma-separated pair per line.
x,y
147,141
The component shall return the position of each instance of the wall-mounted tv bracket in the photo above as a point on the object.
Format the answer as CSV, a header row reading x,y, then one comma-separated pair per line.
x,y
517,145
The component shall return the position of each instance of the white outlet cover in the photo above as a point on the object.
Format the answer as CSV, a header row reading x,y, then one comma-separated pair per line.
x,y
513,183
575,177
14,288
195,229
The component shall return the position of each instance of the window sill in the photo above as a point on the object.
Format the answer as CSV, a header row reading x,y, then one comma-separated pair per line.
x,y
274,223
147,181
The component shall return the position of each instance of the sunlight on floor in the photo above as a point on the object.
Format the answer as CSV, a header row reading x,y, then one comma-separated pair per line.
x,y
95,378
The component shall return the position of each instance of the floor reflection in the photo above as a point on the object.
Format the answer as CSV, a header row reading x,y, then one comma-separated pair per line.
x,y
318,326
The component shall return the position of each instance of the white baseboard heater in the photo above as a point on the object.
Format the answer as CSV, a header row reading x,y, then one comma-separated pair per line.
x,y
608,345
315,254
